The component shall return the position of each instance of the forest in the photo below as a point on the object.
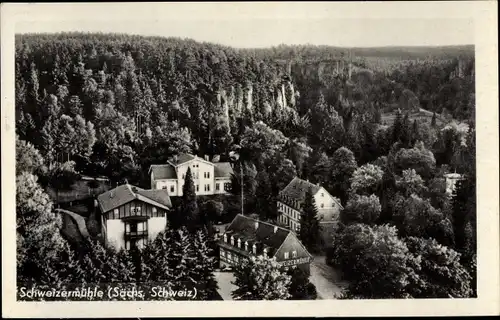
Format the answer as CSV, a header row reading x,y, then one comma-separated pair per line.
x,y
113,104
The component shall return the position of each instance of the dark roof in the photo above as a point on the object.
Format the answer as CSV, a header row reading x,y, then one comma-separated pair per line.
x,y
264,234
163,171
160,196
126,193
223,170
297,188
181,158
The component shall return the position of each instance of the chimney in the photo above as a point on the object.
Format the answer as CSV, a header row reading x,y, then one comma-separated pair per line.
x,y
256,224
275,229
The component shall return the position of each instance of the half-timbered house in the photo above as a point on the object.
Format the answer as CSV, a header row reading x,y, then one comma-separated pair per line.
x,y
131,216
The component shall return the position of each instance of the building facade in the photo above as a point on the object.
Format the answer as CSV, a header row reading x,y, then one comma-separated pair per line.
x,y
451,181
246,237
131,216
291,199
209,178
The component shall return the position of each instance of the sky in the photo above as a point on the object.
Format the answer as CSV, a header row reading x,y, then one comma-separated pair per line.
x,y
264,24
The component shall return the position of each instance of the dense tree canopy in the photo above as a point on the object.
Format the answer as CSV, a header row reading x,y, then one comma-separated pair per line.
x,y
378,128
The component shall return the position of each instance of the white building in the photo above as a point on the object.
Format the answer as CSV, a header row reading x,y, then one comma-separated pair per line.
x,y
131,216
209,178
451,181
291,199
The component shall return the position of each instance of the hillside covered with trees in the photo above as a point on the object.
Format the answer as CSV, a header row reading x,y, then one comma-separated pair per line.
x,y
112,105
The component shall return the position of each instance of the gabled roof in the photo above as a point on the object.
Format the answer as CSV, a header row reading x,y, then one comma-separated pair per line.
x,y
297,188
264,233
223,170
182,158
163,171
125,193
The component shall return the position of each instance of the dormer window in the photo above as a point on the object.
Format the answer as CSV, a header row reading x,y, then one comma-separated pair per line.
x,y
232,240
265,252
287,255
246,245
239,243
254,247
294,254
225,237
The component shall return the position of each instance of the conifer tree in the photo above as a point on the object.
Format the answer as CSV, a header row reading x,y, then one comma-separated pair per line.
x,y
204,265
189,208
180,272
433,121
264,197
309,224
397,127
460,213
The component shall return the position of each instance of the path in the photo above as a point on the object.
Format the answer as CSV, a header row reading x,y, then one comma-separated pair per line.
x,y
326,279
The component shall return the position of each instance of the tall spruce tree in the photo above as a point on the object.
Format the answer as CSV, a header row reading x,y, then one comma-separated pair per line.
x,y
461,213
264,205
309,224
397,127
204,265
190,214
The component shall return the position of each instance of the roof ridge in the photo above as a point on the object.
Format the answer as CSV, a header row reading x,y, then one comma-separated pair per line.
x,y
265,222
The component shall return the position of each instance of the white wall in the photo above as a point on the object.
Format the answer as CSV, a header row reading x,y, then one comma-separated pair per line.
x,y
221,182
198,176
155,226
322,197
115,231
168,183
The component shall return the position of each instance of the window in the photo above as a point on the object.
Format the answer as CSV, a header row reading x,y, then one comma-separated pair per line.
x,y
232,240
294,254
239,243
225,238
197,187
204,174
116,211
322,205
227,186
229,255
172,189
286,255
164,187
217,187
208,175
135,210
246,246
322,194
254,247
222,253
208,187
196,175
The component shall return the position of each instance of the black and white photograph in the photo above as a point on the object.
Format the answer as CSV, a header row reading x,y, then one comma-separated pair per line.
x,y
203,152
